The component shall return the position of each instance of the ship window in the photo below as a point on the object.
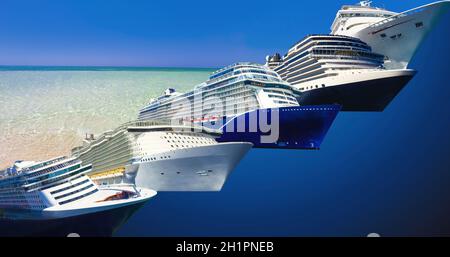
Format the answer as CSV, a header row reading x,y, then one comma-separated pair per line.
x,y
419,24
383,35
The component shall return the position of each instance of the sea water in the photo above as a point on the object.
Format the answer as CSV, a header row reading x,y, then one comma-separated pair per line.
x,y
46,111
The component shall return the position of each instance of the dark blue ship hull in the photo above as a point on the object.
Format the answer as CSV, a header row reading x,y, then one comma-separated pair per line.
x,y
98,224
300,127
369,96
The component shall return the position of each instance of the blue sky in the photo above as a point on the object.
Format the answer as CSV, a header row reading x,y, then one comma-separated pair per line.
x,y
160,33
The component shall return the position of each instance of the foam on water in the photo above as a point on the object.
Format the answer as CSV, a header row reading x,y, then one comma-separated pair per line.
x,y
46,113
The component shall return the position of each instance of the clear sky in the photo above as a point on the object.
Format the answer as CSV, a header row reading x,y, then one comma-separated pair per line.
x,y
160,33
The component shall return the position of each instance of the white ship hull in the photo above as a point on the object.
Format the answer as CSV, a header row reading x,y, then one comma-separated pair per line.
x,y
57,212
203,168
399,37
84,218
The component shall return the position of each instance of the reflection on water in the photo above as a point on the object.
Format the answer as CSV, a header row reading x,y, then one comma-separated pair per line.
x,y
46,113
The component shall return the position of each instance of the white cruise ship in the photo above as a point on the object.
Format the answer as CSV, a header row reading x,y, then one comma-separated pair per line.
x,y
395,35
158,155
248,102
329,69
56,198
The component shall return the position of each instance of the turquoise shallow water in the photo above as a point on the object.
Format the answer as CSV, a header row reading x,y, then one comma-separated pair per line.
x,y
45,111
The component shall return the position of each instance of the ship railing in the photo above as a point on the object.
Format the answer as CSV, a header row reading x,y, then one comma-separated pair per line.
x,y
211,81
403,14
325,35
169,123
146,123
234,65
122,185
309,37
137,123
229,67
119,185
43,164
245,76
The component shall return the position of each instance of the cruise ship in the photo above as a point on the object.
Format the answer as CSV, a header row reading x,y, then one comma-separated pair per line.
x,y
56,198
247,102
329,69
394,35
161,156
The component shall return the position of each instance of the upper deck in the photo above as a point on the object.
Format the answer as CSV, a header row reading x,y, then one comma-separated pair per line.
x,y
27,167
362,10
243,67
230,74
30,176
325,37
144,126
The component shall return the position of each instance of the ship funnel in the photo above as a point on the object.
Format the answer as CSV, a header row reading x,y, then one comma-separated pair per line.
x,y
169,91
365,3
89,137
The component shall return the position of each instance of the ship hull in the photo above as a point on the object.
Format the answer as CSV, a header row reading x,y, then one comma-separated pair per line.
x,y
300,127
372,94
97,224
87,219
204,168
399,38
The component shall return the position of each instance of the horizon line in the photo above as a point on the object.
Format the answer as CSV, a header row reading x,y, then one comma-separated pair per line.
x,y
2,66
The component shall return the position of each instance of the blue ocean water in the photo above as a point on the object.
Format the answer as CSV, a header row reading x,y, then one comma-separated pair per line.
x,y
387,173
